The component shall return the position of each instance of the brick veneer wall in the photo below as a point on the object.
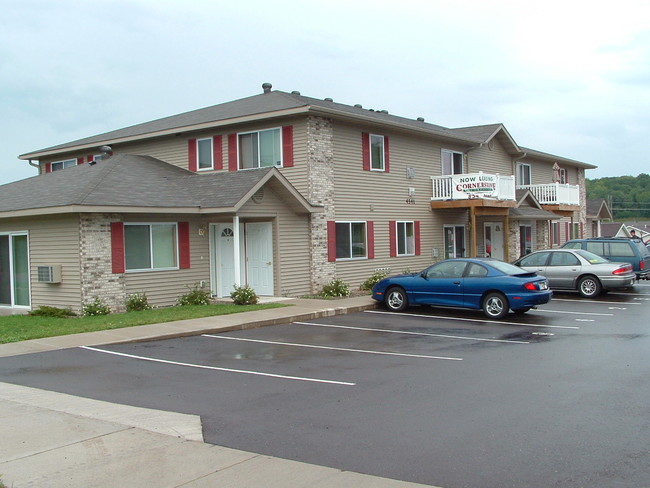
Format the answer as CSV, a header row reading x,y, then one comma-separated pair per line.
x,y
320,154
97,278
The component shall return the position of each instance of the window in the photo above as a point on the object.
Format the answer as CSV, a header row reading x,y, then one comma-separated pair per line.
x,y
447,269
555,233
376,152
621,249
405,238
260,149
452,162
58,165
525,239
537,259
563,259
575,231
523,174
351,240
204,153
563,176
476,271
454,241
150,246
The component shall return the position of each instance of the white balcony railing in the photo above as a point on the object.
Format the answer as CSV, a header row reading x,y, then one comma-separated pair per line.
x,y
554,193
473,185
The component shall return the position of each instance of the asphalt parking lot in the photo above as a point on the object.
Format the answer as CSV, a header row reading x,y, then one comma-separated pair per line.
x,y
557,397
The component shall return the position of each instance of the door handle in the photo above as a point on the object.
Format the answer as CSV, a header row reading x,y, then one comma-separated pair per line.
x,y
269,263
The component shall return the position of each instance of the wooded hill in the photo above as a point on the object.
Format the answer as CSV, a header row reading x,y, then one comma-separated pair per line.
x,y
627,196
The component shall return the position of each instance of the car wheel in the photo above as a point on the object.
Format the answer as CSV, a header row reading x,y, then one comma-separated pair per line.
x,y
495,306
396,300
589,286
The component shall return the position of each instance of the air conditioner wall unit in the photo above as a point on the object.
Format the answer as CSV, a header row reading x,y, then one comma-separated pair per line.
x,y
49,274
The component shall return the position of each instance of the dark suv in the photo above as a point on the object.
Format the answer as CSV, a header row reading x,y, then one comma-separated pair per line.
x,y
619,249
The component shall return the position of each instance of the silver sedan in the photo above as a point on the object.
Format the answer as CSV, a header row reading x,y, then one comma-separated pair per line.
x,y
576,269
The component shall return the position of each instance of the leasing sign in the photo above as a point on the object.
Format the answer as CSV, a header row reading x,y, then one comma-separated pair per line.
x,y
474,186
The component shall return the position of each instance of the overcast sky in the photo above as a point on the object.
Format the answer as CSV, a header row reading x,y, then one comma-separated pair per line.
x,y
570,78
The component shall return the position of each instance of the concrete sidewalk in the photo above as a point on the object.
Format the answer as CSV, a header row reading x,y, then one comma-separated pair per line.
x,y
56,440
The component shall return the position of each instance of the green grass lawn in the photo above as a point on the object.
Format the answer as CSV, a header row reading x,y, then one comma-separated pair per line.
x,y
14,328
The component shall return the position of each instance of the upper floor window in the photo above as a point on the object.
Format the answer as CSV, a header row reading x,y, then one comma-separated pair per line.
x,y
523,174
204,153
260,149
57,165
376,152
150,246
563,176
452,162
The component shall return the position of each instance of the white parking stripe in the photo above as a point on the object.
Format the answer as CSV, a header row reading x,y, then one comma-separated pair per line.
x,y
330,348
214,368
388,331
576,313
591,301
489,321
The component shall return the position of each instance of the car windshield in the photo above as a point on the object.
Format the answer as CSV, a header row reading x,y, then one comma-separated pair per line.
x,y
591,257
507,268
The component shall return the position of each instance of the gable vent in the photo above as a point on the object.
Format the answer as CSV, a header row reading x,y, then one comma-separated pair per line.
x,y
258,196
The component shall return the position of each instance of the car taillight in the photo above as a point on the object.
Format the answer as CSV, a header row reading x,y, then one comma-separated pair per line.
x,y
622,269
530,286
642,265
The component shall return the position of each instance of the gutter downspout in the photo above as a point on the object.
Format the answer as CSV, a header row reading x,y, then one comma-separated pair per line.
x,y
35,165
466,154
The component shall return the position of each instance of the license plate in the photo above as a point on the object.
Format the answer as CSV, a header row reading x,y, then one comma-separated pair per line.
x,y
543,285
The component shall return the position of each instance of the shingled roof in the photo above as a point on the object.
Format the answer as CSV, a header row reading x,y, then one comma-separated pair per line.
x,y
135,183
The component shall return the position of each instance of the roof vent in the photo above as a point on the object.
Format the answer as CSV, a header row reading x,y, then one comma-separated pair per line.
x,y
329,100
267,87
358,105
295,92
420,119
383,111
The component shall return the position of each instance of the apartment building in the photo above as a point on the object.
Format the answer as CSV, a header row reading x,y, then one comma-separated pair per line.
x,y
278,191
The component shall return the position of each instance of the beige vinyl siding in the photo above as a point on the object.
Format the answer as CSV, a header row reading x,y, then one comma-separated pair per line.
x,y
381,197
52,240
291,249
490,158
164,287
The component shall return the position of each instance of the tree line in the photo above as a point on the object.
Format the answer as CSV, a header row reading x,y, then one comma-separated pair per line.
x,y
627,196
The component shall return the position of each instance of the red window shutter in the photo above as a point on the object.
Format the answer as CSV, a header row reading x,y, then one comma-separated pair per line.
x,y
90,158
371,239
287,146
184,245
416,230
191,155
81,160
386,157
392,237
217,152
582,230
232,152
117,247
331,240
48,167
365,150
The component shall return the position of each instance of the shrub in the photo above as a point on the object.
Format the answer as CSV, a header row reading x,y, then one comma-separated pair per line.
x,y
45,311
244,295
196,296
137,302
375,278
96,307
336,288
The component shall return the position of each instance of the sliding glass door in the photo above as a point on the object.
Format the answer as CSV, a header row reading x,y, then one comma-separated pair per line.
x,y
14,270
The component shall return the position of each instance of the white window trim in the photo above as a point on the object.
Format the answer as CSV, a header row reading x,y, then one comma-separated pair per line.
x,y
397,224
12,290
365,229
198,160
442,163
148,270
383,153
62,163
281,165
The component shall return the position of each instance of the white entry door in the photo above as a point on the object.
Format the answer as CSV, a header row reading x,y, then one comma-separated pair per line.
x,y
259,257
224,241
493,239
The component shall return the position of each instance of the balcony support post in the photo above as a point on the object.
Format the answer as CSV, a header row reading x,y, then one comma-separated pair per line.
x,y
472,231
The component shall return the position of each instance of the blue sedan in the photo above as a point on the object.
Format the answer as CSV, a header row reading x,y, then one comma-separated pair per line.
x,y
477,283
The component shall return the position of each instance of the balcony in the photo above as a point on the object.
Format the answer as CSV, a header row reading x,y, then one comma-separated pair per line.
x,y
473,190
561,199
